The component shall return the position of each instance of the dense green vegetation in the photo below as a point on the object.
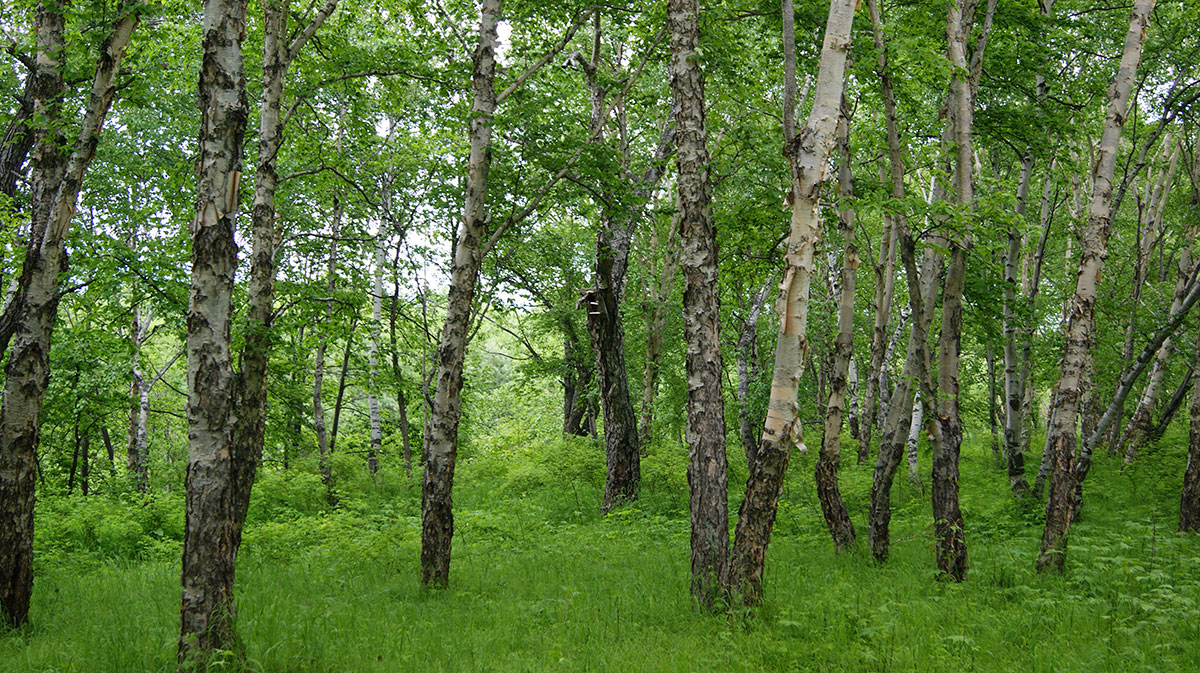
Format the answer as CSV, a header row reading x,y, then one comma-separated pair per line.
x,y
543,583
405,224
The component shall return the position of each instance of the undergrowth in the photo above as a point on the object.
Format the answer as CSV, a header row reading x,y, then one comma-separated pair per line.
x,y
541,582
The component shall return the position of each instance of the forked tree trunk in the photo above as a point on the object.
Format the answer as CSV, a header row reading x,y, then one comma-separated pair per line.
x,y
1094,244
226,410
895,429
55,181
829,457
807,153
701,312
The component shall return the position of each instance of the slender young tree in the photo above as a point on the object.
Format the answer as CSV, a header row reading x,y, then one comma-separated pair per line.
x,y
1094,243
808,155
829,458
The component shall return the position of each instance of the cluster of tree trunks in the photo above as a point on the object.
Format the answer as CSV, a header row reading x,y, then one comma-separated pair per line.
x,y
56,177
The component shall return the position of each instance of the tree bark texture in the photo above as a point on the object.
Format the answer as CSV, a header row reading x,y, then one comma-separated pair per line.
x,y
829,458
55,180
210,544
949,528
1189,499
373,362
441,429
808,155
705,431
885,268
1094,244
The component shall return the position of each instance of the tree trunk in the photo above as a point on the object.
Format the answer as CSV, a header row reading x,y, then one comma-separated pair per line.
x,y
372,362
656,318
1139,424
701,312
441,428
55,181
401,402
885,268
343,381
912,446
210,544
950,540
1077,352
1014,384
808,153
1150,218
226,410
137,457
993,426
747,350
829,457
896,427
318,398
1189,499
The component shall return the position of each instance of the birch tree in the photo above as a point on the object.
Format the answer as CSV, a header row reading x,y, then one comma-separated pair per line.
x,y
808,154
29,316
1094,241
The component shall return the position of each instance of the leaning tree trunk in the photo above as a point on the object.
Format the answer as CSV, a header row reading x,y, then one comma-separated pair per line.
x,y
701,311
1138,428
1094,244
808,153
829,457
441,428
56,179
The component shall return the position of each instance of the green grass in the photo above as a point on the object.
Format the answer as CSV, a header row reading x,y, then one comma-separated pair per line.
x,y
541,583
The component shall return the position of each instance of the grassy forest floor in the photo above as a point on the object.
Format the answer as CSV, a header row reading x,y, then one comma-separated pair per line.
x,y
540,582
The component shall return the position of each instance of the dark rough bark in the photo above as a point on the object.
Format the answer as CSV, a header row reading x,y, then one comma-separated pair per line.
x,y
1094,242
623,459
701,311
210,544
807,154
226,408
56,178
829,457
885,268
1189,499
441,428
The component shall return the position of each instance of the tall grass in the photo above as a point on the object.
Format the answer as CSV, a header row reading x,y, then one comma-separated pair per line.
x,y
541,583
